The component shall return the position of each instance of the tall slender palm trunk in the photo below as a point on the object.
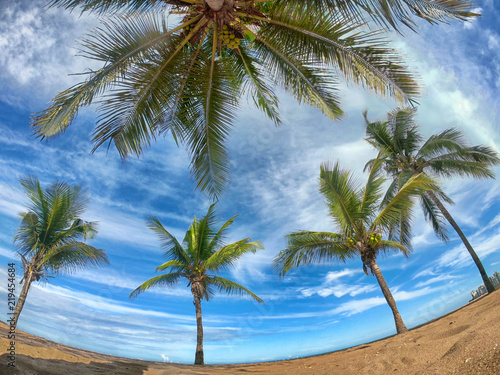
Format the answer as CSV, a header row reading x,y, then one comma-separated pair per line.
x,y
28,278
198,359
400,326
487,282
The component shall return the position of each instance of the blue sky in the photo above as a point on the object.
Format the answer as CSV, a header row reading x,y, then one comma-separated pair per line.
x,y
274,190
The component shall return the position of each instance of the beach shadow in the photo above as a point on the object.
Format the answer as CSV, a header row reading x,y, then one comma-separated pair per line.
x,y
37,366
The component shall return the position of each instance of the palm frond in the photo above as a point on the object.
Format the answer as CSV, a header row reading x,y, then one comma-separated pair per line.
x,y
340,191
113,6
228,255
218,238
72,257
120,43
173,249
448,141
371,193
434,216
262,94
402,202
131,112
231,287
388,13
361,57
306,247
167,279
204,234
311,84
394,246
210,115
175,265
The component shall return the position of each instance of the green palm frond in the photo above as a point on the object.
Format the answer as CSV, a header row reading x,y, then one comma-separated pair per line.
x,y
390,215
309,84
121,43
214,109
173,249
73,256
401,229
228,255
389,13
217,240
449,166
168,279
231,287
371,193
27,235
340,191
448,141
175,265
361,57
306,247
107,6
394,246
434,216
132,112
261,92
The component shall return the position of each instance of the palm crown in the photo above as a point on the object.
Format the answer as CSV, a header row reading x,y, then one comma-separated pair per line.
x,y
361,222
442,155
360,219
202,254
446,154
51,234
188,79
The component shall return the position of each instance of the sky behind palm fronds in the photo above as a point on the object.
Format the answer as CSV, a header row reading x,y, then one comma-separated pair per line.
x,y
274,189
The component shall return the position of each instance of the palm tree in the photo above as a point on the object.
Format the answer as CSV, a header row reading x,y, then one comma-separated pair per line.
x,y
49,238
187,78
361,222
202,254
442,155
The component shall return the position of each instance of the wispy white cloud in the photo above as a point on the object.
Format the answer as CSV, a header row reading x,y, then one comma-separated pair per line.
x,y
436,279
339,289
460,257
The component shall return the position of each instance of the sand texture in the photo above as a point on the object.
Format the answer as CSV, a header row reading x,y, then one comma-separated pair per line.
x,y
466,341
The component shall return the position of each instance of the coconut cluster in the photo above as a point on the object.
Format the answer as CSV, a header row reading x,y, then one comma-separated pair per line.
x,y
229,39
188,28
374,239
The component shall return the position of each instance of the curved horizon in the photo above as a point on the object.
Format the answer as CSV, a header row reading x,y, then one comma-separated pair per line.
x,y
274,190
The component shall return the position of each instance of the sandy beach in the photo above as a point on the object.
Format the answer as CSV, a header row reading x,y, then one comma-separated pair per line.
x,y
466,341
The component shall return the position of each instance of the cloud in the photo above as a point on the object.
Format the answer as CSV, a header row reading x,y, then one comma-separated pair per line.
x,y
335,275
435,280
37,46
460,257
339,289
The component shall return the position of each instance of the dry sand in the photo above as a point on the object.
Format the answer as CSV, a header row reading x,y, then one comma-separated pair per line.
x,y
466,341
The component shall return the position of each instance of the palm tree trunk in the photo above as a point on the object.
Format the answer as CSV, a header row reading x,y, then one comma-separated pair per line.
x,y
487,282
198,359
400,326
28,278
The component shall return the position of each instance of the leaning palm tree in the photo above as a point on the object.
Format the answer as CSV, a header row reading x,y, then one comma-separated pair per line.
x,y
49,238
446,154
361,222
202,254
186,76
